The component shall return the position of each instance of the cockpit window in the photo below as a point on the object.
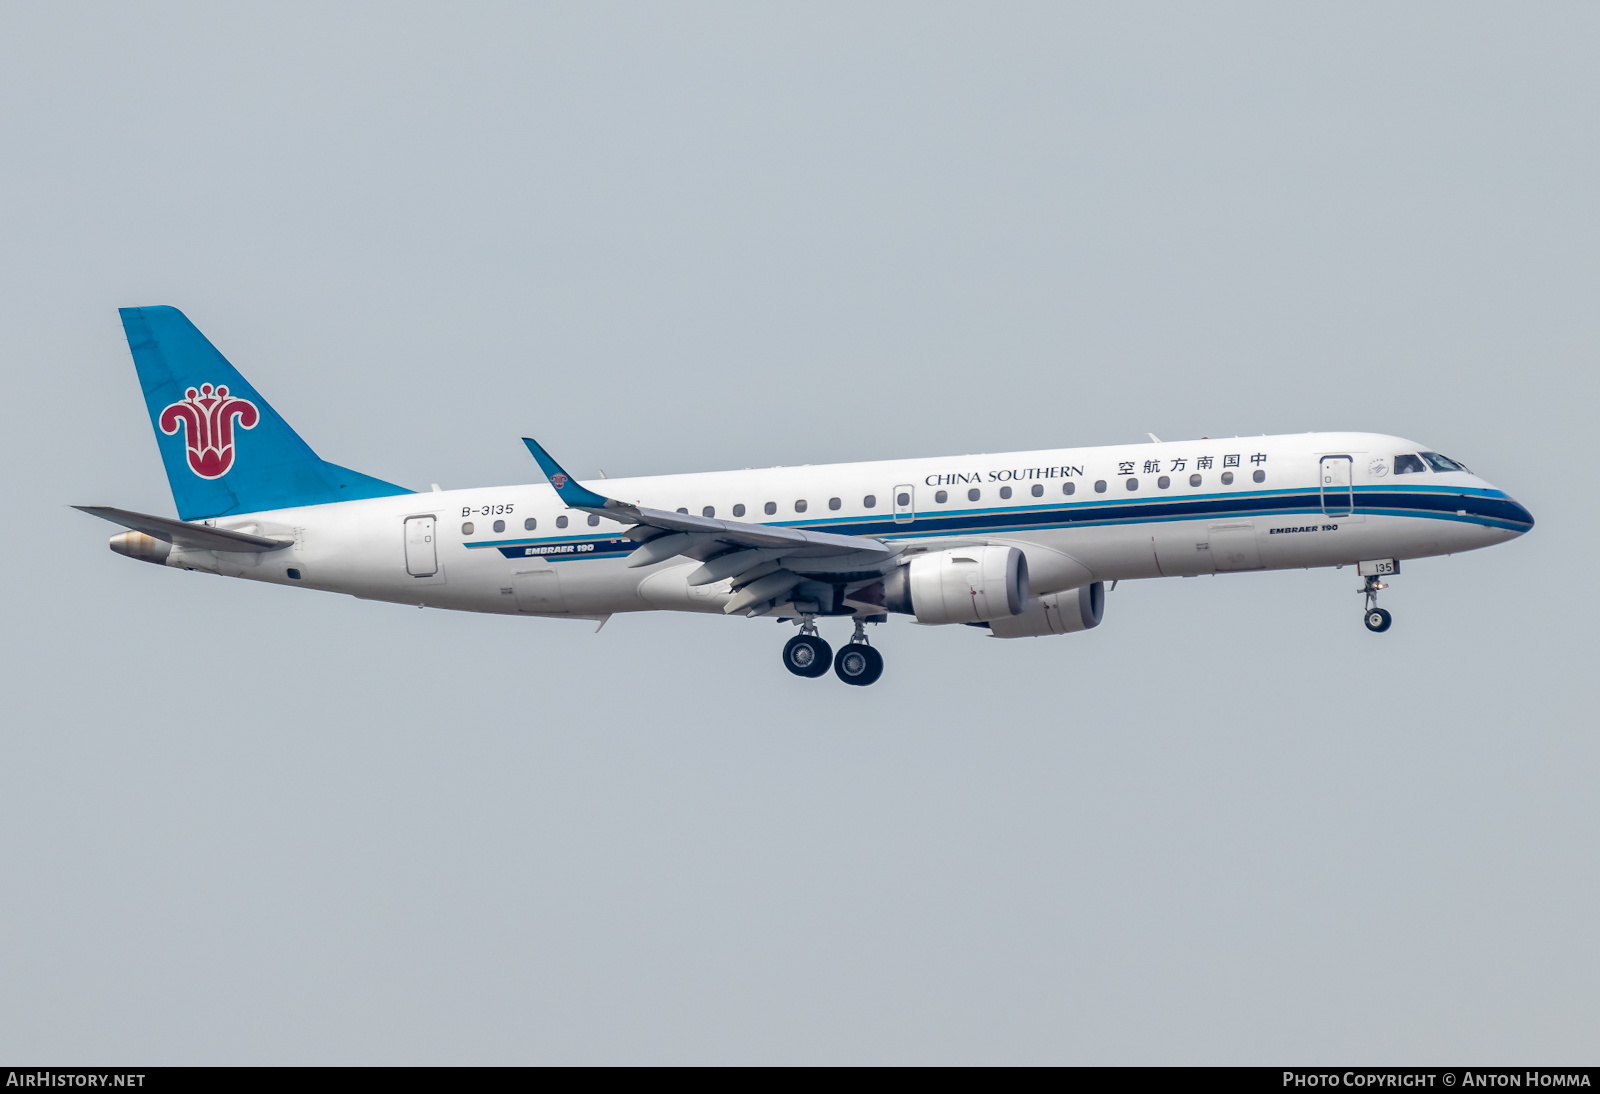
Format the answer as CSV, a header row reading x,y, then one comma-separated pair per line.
x,y
1408,465
1443,463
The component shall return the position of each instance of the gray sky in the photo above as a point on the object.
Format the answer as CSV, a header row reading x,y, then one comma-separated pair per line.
x,y
245,824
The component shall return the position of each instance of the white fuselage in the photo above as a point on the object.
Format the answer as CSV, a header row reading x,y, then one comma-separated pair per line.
x,y
1080,515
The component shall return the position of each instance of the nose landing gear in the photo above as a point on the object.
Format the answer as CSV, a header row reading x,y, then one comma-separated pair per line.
x,y
1376,619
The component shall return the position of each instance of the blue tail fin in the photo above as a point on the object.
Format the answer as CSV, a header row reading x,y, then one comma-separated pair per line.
x,y
226,450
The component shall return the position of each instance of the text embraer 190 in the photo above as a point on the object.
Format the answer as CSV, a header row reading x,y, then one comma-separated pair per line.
x,y
1020,544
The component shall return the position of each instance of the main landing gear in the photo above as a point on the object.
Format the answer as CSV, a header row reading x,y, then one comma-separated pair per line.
x,y
1376,619
858,663
806,654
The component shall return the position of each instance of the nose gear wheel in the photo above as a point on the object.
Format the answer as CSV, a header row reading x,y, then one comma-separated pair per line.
x,y
1377,619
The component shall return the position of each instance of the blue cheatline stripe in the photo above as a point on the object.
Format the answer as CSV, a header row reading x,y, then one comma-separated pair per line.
x,y
1488,507
563,549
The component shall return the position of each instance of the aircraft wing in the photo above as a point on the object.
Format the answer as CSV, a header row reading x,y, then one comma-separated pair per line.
x,y
195,536
753,555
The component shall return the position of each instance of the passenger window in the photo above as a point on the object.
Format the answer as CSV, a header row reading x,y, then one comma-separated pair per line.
x,y
1038,490
681,509
738,510
941,496
468,528
834,503
1259,476
770,508
1069,488
1099,486
1163,482
800,506
1407,465
709,511
530,524
1133,484
1194,480
594,520
974,494
869,502
293,573
499,526
902,500
561,521
1005,493
1227,478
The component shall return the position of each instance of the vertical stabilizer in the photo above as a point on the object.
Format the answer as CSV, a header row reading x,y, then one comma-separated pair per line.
x,y
225,449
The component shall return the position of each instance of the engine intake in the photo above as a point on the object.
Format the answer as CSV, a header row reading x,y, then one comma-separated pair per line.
x,y
1058,613
961,585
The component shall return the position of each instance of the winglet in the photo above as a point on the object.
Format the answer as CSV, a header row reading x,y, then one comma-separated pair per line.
x,y
566,486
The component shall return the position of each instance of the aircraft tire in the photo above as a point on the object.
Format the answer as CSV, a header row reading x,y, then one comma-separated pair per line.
x,y
807,655
858,664
1378,620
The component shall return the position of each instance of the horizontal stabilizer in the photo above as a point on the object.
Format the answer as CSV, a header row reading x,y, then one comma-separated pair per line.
x,y
194,536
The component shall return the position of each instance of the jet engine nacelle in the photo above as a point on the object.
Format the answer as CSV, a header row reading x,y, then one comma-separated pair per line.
x,y
962,585
1058,613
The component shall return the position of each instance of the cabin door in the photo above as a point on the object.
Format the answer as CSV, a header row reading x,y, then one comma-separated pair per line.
x,y
1338,498
422,556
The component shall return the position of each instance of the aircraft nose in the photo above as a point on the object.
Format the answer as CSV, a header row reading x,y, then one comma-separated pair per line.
x,y
1515,515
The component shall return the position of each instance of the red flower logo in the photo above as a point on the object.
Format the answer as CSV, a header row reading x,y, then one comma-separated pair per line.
x,y
207,417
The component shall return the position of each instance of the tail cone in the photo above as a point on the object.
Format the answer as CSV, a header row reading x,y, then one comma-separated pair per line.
x,y
142,547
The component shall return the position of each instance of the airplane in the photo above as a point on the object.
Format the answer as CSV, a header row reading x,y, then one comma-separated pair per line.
x,y
1018,544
